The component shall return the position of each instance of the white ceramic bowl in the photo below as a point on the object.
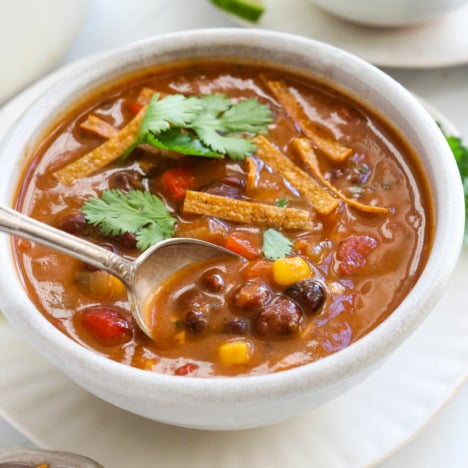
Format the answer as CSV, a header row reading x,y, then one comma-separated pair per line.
x,y
33,37
241,402
389,12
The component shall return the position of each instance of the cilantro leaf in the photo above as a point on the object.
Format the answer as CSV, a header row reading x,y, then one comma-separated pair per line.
x,y
180,141
142,213
281,203
236,148
209,126
214,104
174,110
460,152
275,245
234,119
213,129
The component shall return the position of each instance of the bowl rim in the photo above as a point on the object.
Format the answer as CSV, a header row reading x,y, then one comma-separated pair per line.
x,y
366,352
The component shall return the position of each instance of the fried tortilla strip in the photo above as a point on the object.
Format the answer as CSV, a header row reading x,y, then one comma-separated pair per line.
x,y
99,127
145,96
240,211
319,198
307,154
103,155
251,183
330,148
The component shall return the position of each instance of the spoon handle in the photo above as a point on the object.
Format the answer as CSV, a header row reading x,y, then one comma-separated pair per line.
x,y
20,225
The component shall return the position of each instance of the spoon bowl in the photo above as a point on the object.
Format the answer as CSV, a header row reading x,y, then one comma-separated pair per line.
x,y
159,262
140,276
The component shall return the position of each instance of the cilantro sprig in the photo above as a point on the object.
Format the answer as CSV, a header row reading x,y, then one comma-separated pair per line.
x,y
209,126
141,213
460,152
275,245
281,203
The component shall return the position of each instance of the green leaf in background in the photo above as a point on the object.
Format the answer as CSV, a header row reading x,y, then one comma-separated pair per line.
x,y
460,151
251,10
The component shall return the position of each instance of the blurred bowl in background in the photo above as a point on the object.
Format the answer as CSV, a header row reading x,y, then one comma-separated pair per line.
x,y
389,12
33,37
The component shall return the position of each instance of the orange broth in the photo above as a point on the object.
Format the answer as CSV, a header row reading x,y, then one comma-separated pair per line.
x,y
362,264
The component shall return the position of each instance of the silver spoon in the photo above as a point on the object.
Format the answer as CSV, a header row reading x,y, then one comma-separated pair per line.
x,y
140,276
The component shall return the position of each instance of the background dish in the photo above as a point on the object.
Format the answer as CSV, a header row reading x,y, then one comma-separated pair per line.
x,y
30,44
374,418
440,43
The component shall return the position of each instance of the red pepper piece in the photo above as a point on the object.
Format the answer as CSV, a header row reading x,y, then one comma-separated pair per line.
x,y
352,253
134,107
186,369
243,243
176,182
106,325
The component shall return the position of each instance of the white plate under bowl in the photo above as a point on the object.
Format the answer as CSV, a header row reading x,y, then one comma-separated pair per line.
x,y
439,43
360,428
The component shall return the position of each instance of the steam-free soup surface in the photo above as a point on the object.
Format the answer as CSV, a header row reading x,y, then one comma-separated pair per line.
x,y
339,275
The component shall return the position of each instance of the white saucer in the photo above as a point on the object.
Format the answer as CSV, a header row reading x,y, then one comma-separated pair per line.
x,y
360,428
440,43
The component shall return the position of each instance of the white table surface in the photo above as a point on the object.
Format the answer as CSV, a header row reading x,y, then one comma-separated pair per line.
x,y
444,440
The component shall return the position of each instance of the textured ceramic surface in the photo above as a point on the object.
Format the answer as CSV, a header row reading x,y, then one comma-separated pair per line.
x,y
254,401
389,12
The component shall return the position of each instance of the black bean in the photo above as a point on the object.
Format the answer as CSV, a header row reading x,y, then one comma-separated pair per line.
x,y
127,240
237,327
125,181
73,223
280,318
224,190
253,295
308,293
234,180
195,321
212,280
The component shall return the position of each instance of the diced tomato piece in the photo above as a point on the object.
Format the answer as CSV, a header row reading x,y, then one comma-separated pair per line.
x,y
243,243
134,107
106,325
352,253
176,182
186,369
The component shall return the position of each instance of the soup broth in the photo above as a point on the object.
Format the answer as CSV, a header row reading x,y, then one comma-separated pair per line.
x,y
330,211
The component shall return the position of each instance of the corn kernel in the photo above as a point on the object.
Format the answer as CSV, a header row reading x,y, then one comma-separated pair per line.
x,y
180,337
235,352
100,285
116,288
290,270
